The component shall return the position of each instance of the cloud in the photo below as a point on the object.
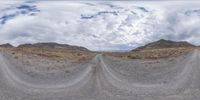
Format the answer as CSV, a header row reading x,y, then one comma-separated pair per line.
x,y
12,12
99,25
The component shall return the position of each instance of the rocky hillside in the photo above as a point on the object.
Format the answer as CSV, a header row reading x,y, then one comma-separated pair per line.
x,y
7,45
52,45
164,44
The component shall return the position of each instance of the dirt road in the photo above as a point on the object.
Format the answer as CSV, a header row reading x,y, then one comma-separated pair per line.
x,y
107,78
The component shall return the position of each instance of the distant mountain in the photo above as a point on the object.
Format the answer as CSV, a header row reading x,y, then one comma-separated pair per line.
x,y
164,44
7,45
52,45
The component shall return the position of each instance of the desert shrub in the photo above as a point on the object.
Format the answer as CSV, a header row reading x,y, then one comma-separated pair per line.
x,y
16,57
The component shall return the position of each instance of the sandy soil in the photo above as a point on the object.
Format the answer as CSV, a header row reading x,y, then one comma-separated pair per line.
x,y
101,78
152,53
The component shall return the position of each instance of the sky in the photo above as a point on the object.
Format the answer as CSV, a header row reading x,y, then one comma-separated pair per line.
x,y
99,25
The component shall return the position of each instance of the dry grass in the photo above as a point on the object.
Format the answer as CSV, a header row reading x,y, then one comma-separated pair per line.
x,y
153,53
76,56
81,56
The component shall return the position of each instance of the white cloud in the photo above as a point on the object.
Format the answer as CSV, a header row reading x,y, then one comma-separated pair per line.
x,y
102,25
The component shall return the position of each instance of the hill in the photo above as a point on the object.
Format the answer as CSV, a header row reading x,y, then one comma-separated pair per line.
x,y
7,45
164,44
52,45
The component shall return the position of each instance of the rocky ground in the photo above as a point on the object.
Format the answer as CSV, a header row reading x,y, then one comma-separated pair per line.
x,y
152,53
56,74
51,54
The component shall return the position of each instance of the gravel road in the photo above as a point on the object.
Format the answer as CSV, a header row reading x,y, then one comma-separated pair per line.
x,y
105,78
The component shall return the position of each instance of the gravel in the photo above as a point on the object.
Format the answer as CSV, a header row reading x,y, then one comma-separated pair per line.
x,y
102,78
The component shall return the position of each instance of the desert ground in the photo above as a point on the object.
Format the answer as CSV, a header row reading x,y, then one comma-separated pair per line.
x,y
160,74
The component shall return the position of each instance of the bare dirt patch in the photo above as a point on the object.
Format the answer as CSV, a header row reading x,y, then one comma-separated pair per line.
x,y
58,54
152,53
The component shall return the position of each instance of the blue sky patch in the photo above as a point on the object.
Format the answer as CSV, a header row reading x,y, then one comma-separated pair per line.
x,y
98,14
5,18
22,9
143,9
192,12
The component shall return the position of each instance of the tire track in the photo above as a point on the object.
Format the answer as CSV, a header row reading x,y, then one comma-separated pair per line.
x,y
100,82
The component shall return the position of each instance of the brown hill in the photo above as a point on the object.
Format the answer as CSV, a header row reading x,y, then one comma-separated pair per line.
x,y
52,45
7,45
164,44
